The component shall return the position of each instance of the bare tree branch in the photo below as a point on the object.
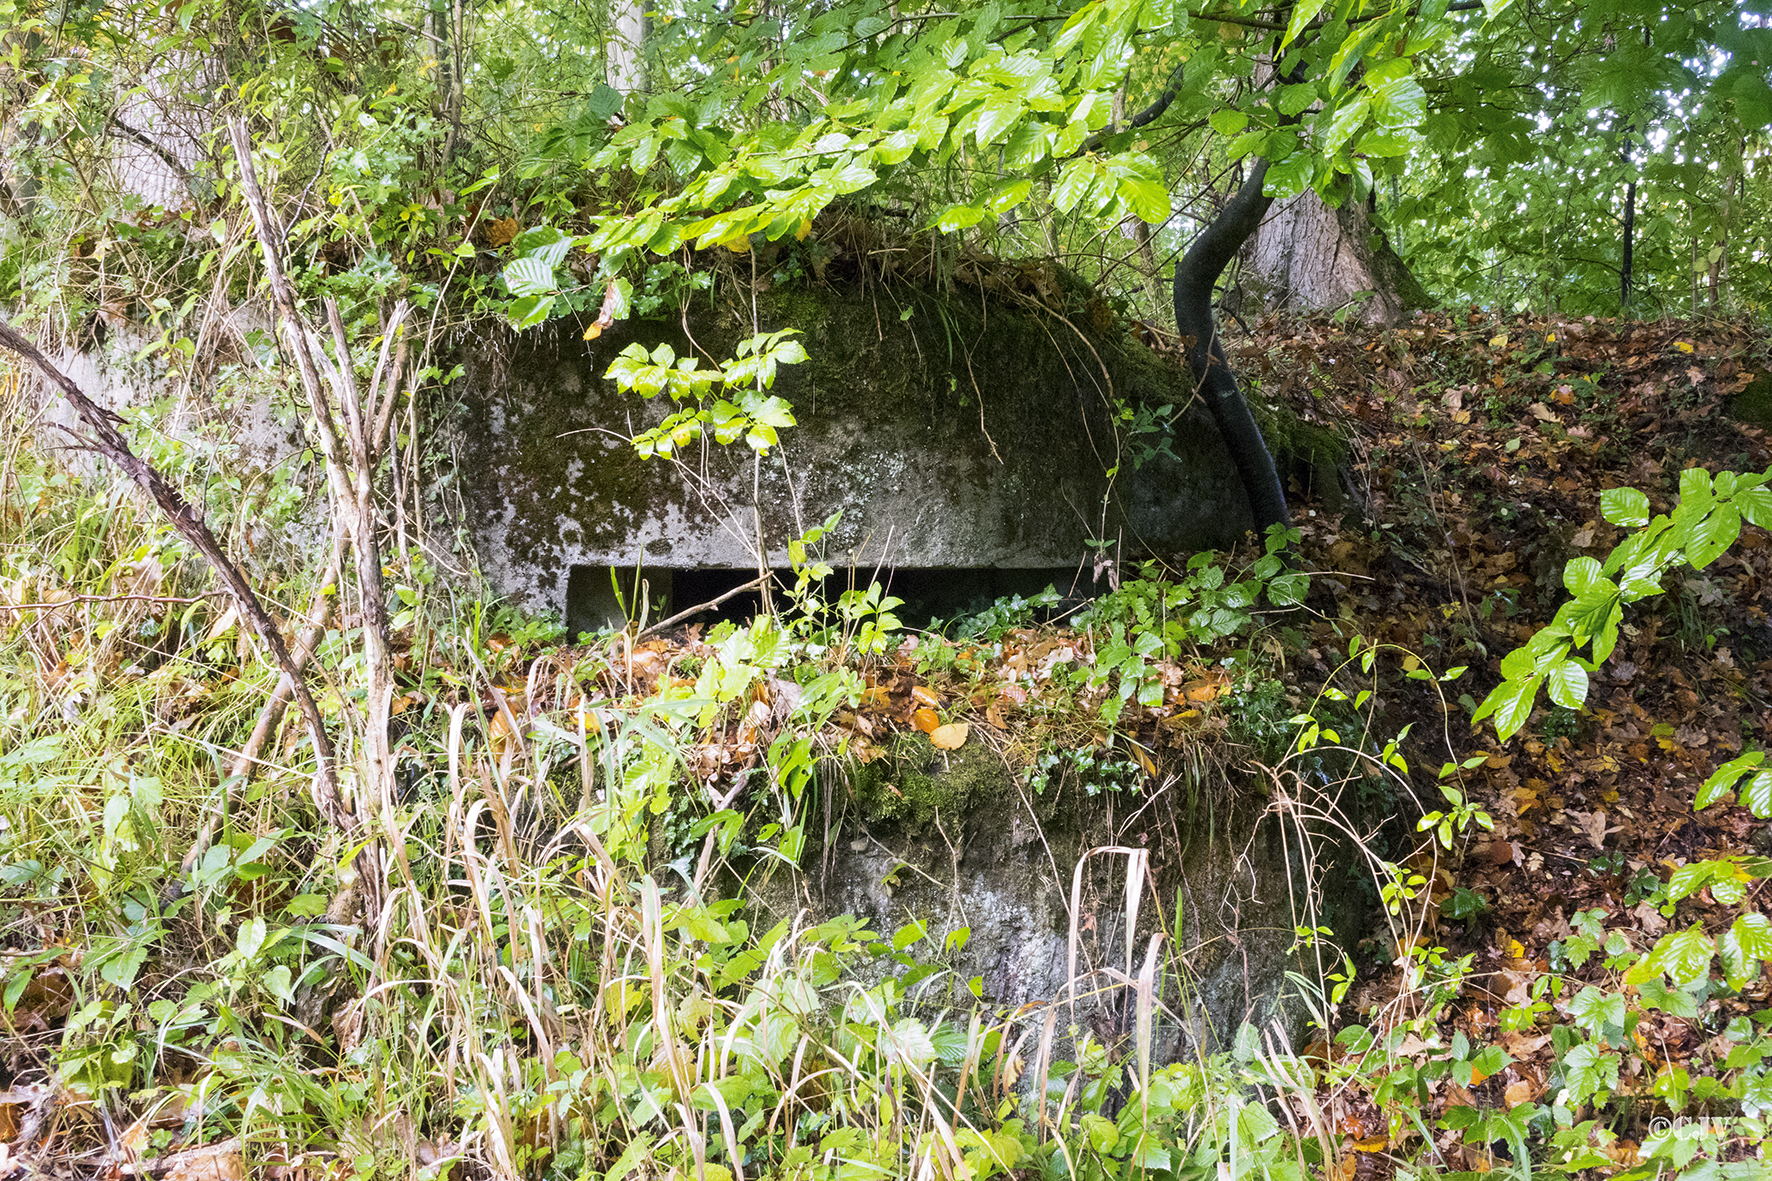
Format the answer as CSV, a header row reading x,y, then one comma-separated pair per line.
x,y
108,442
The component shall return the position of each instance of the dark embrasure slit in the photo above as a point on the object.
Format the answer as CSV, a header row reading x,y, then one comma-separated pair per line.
x,y
601,596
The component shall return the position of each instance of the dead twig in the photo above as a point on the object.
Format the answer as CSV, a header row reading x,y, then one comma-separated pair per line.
x,y
107,441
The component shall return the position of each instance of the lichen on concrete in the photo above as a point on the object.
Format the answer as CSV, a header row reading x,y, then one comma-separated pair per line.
x,y
976,431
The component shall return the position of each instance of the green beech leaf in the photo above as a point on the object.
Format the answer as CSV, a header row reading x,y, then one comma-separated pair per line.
x,y
1624,506
1302,14
958,217
529,276
1685,956
1228,121
1756,793
1567,684
995,117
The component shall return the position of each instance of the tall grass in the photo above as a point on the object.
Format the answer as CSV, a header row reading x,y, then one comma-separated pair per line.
x,y
538,994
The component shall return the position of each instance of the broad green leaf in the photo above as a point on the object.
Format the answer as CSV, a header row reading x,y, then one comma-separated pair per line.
x,y
529,276
1567,685
1581,575
895,148
1723,780
1511,715
1291,176
1147,197
1008,195
1743,947
959,217
1755,505
121,969
1296,99
1076,180
530,310
1349,117
1685,956
1624,506
852,178
1382,144
1228,121
604,102
1302,14
995,117
1713,536
1675,1001
1754,934
1399,103
1756,793
1351,51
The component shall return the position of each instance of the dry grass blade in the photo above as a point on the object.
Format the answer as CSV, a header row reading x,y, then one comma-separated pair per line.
x,y
1145,1016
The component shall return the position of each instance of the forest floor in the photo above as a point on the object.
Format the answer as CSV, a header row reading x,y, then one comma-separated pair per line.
x,y
1480,448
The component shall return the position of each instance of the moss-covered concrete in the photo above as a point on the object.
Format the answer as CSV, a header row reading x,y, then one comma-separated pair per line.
x,y
915,783
958,840
950,426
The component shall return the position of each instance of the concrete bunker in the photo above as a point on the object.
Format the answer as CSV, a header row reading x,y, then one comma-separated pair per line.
x,y
972,440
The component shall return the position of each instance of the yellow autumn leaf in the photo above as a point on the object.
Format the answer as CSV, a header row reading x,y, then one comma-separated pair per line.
x,y
924,695
925,720
950,737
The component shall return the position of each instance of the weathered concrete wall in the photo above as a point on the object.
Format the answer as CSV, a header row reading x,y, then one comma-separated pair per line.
x,y
971,434
959,839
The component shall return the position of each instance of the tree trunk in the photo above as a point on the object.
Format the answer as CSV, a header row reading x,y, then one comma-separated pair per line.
x,y
627,47
1307,257
1630,232
1195,277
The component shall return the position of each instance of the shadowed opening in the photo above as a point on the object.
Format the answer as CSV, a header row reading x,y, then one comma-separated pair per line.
x,y
601,596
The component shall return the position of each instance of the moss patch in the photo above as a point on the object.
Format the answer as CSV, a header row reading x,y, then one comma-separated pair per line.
x,y
915,782
1753,405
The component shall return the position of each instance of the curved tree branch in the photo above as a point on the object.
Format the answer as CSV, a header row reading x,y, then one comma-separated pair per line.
x,y
1195,276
